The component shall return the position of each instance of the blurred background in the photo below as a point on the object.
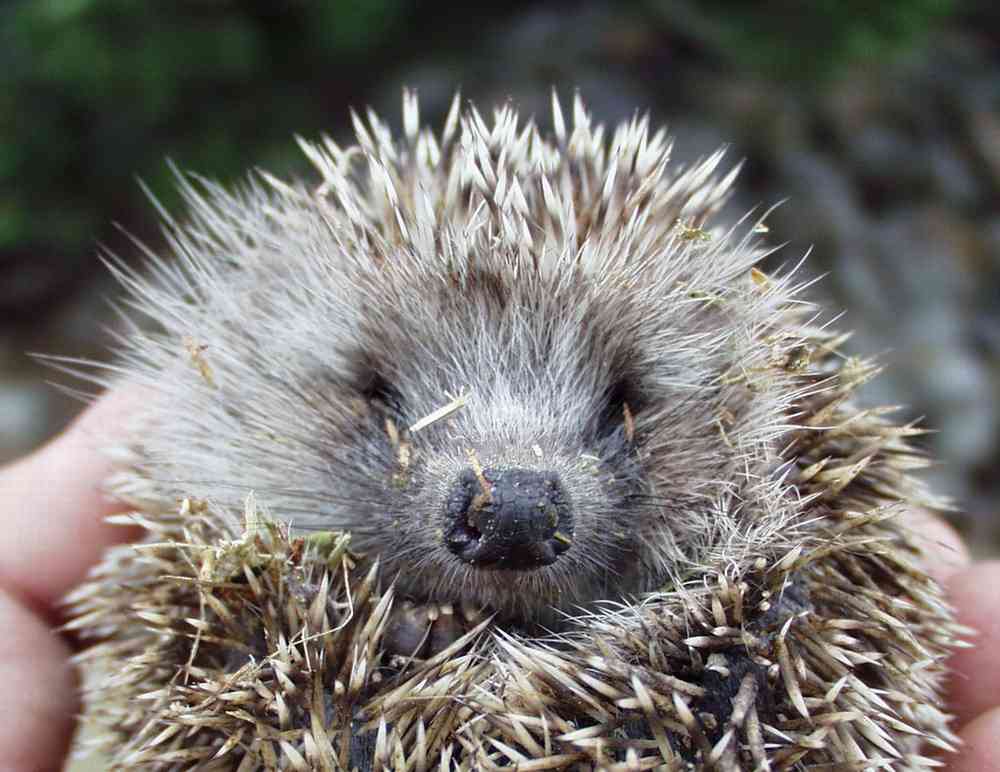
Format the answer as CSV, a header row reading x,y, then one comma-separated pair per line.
x,y
879,123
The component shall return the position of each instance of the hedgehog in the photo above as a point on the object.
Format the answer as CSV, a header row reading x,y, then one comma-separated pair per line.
x,y
492,449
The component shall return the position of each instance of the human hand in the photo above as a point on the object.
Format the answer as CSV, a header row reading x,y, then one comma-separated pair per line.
x,y
53,513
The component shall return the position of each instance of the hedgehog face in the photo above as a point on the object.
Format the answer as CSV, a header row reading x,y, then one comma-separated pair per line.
x,y
519,500
553,481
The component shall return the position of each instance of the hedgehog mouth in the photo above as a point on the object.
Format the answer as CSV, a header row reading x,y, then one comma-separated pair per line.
x,y
511,519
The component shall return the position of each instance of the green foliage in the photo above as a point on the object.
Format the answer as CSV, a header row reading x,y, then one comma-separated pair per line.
x,y
805,40
96,92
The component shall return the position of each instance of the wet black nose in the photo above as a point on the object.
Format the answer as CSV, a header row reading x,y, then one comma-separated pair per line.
x,y
508,518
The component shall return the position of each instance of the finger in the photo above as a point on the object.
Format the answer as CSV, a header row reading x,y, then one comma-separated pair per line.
x,y
38,700
944,551
975,682
53,506
981,738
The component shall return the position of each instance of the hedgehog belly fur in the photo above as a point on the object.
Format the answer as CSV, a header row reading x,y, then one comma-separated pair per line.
x,y
495,451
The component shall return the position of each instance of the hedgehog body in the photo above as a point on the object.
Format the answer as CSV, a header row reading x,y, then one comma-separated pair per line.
x,y
552,476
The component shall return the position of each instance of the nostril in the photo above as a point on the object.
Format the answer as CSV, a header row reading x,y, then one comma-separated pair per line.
x,y
508,518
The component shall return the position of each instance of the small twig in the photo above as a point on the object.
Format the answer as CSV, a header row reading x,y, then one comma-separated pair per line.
x,y
197,353
487,495
629,422
441,412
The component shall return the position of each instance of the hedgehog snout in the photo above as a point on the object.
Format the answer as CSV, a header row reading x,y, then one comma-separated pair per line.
x,y
508,518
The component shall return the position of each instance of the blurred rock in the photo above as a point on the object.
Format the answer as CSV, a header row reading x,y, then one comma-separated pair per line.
x,y
24,417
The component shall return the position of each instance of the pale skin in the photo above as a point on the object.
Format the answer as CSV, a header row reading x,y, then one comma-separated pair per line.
x,y
53,512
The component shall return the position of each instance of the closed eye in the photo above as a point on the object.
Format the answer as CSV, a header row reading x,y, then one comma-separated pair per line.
x,y
379,392
616,417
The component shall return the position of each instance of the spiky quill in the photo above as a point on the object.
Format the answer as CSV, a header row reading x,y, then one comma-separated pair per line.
x,y
546,474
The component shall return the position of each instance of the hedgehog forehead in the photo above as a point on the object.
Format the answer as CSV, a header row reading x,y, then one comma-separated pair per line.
x,y
486,324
